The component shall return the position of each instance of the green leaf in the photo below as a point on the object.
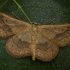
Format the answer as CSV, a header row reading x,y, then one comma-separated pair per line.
x,y
40,11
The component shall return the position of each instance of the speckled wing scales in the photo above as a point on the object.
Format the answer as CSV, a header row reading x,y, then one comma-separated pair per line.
x,y
59,33
46,50
10,26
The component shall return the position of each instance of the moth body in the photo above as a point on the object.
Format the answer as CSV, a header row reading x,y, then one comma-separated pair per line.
x,y
33,40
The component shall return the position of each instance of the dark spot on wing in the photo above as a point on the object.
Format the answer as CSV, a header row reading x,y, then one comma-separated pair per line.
x,y
20,44
4,26
6,20
63,35
42,46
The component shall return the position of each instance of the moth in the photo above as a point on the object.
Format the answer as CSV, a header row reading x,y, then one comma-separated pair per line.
x,y
39,41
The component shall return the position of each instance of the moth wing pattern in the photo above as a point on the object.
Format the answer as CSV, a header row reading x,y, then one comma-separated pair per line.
x,y
11,26
41,42
19,45
46,50
59,33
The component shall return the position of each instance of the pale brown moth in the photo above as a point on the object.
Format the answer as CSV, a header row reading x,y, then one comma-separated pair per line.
x,y
39,41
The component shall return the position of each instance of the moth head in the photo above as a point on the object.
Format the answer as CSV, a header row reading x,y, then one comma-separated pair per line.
x,y
34,23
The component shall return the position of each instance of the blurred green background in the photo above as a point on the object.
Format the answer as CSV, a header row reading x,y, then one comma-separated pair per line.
x,y
40,11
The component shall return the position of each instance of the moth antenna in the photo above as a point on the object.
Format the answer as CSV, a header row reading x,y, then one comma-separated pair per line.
x,y
49,22
52,20
15,15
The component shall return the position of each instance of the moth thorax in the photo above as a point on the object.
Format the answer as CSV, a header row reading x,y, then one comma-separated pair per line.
x,y
33,34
